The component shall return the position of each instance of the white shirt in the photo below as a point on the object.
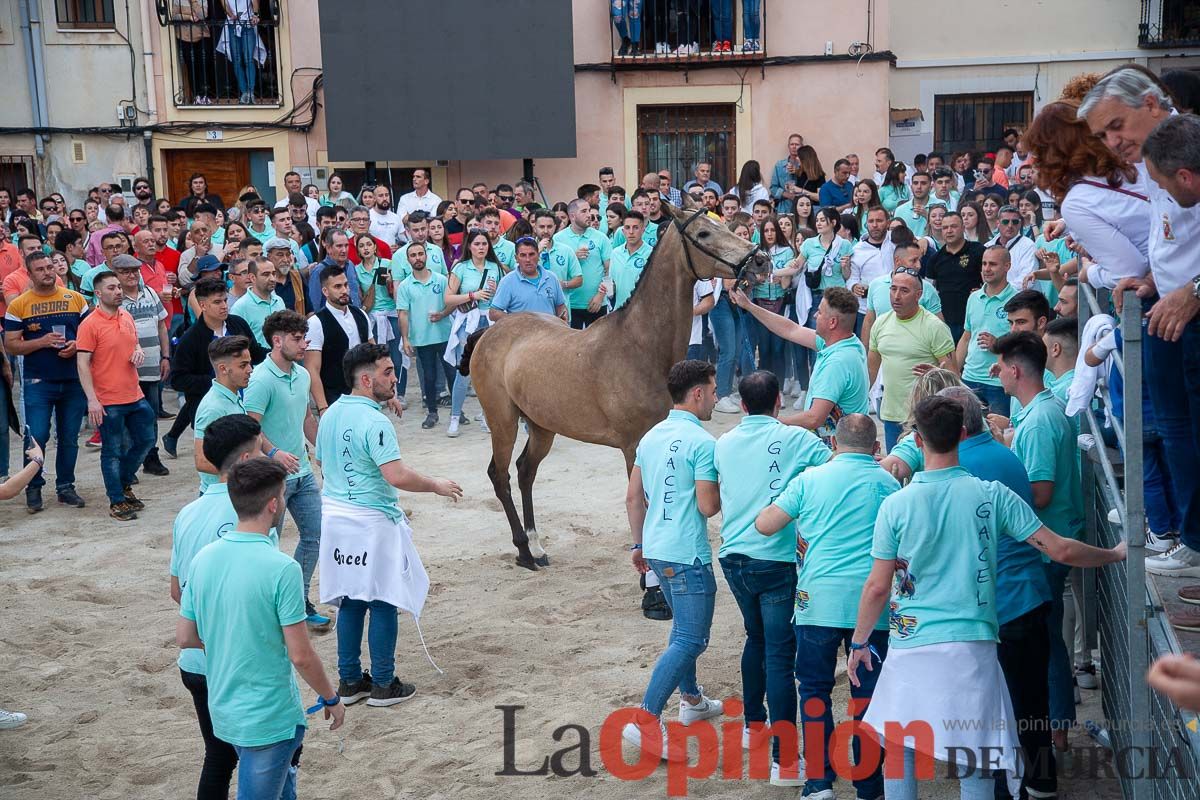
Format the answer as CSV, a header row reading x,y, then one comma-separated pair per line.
x,y
867,264
1113,227
1174,239
879,178
386,226
1024,259
316,334
411,202
700,290
1049,207
310,205
757,192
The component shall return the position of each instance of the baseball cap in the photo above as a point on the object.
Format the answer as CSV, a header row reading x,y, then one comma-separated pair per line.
x,y
277,243
125,261
207,263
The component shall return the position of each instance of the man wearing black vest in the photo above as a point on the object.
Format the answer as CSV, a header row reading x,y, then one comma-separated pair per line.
x,y
191,371
332,331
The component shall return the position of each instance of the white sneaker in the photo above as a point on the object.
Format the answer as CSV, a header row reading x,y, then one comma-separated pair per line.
x,y
452,431
779,780
483,426
403,404
479,417
824,794
705,709
727,405
1114,516
1160,544
633,734
789,386
799,404
1180,561
11,719
662,48
1085,677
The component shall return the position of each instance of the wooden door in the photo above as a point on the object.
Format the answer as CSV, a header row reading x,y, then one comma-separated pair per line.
x,y
227,171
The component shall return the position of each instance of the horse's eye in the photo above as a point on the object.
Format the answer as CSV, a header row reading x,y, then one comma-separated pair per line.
x,y
704,234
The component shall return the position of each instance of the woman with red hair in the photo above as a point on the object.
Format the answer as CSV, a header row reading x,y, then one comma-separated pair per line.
x,y
1102,197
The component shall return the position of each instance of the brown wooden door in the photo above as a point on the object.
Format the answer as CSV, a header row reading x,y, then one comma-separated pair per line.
x,y
227,171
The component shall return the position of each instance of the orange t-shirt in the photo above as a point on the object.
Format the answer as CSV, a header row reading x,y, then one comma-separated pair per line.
x,y
111,340
17,282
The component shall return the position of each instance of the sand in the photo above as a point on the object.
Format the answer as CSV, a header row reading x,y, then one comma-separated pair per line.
x,y
87,645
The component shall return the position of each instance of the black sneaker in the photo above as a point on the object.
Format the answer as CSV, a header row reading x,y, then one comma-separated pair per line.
x,y
122,511
132,501
431,421
625,45
169,443
360,689
33,500
164,414
654,605
444,401
397,692
154,466
68,497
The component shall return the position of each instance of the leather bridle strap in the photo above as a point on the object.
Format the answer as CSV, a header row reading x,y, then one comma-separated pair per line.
x,y
738,268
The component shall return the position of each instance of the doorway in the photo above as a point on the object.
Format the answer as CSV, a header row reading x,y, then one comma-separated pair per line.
x,y
227,170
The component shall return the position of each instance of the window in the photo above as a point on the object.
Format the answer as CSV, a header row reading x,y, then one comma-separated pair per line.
x,y
976,122
1169,23
678,137
85,14
16,173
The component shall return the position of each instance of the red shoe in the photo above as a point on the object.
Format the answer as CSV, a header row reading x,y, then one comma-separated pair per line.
x,y
95,440
727,46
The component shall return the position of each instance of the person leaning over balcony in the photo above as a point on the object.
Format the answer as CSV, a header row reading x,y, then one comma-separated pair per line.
x,y
195,49
241,44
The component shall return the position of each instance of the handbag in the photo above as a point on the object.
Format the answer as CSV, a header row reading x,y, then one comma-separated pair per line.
x,y
466,308
812,278
774,306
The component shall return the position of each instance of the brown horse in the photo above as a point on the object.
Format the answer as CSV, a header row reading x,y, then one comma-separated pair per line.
x,y
606,384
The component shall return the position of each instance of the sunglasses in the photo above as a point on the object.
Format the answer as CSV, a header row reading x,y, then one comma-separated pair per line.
x,y
504,198
906,271
78,219
1010,222
467,200
526,240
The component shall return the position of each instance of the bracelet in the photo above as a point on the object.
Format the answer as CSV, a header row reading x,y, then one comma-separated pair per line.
x,y
633,547
859,646
323,703
41,462
272,452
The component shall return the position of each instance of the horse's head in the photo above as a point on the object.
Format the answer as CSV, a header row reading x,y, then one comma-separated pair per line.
x,y
711,250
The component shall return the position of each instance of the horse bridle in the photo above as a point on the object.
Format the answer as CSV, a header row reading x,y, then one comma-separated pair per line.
x,y
739,268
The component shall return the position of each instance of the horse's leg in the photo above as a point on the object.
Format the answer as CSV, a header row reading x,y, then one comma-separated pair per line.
x,y
536,449
504,436
630,454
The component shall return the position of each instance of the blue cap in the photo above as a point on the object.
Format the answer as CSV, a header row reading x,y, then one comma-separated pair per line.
x,y
207,263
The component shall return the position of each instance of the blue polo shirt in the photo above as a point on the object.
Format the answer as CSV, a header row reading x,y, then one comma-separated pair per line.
x,y
542,294
840,376
506,252
672,456
418,298
755,461
314,284
435,261
833,195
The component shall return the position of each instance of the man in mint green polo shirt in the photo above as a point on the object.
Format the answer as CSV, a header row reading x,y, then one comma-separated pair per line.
x,y
230,440
420,301
489,220
243,602
359,456
277,397
260,301
594,252
834,507
629,259
230,357
983,322
672,491
755,461
418,234
558,258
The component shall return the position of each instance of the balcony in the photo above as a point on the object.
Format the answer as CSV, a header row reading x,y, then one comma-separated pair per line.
x,y
1169,23
662,34
218,62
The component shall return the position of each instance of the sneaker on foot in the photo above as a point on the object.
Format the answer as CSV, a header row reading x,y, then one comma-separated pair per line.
x,y
169,443
633,734
1190,594
395,692
799,404
316,619
483,426
154,466
122,511
132,499
452,430
1180,561
431,421
95,440
727,405
68,497
694,712
1085,676
11,719
817,794
780,779
353,691
1161,542
33,500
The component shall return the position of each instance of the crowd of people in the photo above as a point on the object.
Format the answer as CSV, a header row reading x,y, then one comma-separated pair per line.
x,y
940,297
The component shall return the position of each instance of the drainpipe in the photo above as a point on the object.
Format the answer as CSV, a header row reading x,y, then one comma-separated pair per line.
x,y
35,67
151,89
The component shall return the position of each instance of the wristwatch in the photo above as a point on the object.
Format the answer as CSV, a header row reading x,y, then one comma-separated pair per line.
x,y
1196,287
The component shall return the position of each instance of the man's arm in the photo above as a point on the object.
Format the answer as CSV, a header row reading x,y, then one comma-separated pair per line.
x,y
964,342
873,362
777,324
16,344
771,520
186,634
312,363
897,467
1043,493
705,305
1074,553
406,479
83,365
868,323
708,498
164,350
814,417
875,594
306,661
635,512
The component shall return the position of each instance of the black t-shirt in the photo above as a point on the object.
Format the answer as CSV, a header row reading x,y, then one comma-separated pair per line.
x,y
956,275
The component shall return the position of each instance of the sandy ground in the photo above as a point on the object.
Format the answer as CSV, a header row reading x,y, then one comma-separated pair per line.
x,y
87,645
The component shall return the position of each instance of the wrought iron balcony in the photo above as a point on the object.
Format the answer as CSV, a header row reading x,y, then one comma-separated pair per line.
x,y
669,33
1169,23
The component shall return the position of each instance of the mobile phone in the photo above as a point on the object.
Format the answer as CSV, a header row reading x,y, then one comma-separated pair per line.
x,y
380,276
28,438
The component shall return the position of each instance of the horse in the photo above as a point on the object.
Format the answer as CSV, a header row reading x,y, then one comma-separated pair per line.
x,y
606,384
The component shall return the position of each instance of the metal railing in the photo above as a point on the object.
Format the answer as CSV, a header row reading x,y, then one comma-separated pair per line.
x,y
1169,23
218,62
1159,754
672,32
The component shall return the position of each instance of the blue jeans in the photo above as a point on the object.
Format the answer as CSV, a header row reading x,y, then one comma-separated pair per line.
x,y
770,348
303,499
269,772
241,55
817,652
764,591
1177,414
975,786
434,373
722,12
691,592
751,18
627,19
1062,676
891,434
994,400
459,394
127,433
4,394
799,356
1162,511
381,640
67,402
725,329
397,359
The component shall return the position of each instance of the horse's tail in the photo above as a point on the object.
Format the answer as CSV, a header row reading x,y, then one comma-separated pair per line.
x,y
464,363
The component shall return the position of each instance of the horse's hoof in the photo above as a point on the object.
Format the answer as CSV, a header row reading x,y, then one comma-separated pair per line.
x,y
543,561
528,563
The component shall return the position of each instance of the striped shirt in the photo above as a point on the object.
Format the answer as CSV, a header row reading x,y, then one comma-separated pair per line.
x,y
146,310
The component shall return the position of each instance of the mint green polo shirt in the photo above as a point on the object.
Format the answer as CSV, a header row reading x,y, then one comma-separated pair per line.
x,y
755,461
916,221
599,254
1045,442
418,299
649,236
80,268
366,277
942,531
672,456
242,592
830,267
1014,405
562,262
985,314
355,439
217,402
625,269
282,400
835,506
879,296
435,261
773,290
472,279
201,522
840,376
506,252
255,311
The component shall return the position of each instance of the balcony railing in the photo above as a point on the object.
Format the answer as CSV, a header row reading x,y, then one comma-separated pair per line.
x,y
219,62
688,32
1169,23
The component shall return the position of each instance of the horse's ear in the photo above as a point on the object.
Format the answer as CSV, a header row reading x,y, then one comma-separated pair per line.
x,y
687,203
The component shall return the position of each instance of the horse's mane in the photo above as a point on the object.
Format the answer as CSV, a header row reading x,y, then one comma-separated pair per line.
x,y
654,251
